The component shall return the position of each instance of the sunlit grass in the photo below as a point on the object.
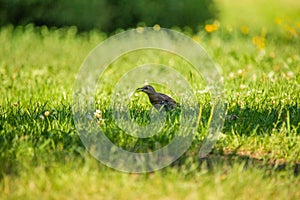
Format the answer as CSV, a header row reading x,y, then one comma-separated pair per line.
x,y
41,154
91,181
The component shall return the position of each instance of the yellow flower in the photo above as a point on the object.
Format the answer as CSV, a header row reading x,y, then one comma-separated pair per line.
x,y
211,27
291,31
278,21
259,42
245,30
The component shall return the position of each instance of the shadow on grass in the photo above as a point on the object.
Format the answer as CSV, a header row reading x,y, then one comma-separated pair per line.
x,y
246,120
216,161
25,135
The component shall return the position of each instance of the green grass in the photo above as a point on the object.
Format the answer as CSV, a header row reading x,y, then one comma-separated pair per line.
x,y
257,156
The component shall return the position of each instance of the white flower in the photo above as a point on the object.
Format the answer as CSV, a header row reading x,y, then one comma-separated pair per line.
x,y
98,114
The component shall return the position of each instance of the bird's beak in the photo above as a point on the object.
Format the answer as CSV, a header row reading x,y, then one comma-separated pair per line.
x,y
140,89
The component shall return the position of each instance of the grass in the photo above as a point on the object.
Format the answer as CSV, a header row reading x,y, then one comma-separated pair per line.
x,y
258,154
93,181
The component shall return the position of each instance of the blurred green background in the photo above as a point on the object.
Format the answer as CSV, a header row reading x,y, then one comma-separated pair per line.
x,y
107,15
112,15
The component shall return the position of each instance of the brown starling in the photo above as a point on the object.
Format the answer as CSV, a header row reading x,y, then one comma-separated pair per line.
x,y
158,100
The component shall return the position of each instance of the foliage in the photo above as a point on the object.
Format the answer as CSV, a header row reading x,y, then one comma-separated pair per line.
x,y
107,15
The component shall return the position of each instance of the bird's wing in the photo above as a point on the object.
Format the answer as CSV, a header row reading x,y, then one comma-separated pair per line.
x,y
168,100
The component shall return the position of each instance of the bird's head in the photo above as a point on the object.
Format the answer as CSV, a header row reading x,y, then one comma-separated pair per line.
x,y
148,89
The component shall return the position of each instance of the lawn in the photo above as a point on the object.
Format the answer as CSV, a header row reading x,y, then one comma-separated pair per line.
x,y
257,155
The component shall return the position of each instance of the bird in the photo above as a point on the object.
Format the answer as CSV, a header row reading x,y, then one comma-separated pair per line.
x,y
158,100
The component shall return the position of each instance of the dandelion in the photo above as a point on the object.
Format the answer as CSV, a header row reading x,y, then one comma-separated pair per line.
x,y
291,31
259,42
245,30
231,75
278,21
46,113
211,27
